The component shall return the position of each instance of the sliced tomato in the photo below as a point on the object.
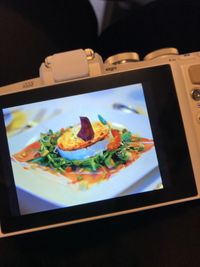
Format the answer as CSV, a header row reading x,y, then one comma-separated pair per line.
x,y
116,141
68,169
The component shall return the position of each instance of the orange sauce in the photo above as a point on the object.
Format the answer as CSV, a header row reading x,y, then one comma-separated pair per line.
x,y
103,173
29,152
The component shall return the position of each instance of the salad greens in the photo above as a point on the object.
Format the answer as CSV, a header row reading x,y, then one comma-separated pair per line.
x,y
50,157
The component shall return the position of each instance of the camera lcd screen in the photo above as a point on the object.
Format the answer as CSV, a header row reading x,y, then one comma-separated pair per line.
x,y
92,147
82,149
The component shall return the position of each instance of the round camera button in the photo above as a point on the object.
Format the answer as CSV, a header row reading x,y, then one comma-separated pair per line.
x,y
196,94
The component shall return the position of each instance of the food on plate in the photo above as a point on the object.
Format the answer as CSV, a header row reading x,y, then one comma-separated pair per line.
x,y
83,141
86,153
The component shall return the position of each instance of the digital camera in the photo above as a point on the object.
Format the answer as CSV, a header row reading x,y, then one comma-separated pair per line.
x,y
90,139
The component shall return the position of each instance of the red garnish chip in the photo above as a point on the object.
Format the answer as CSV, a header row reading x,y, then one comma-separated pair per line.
x,y
86,132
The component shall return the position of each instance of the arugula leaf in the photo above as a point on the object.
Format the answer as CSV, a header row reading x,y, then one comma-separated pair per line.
x,y
50,157
126,136
109,162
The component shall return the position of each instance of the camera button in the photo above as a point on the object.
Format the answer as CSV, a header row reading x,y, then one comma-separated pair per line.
x,y
194,73
122,58
160,53
196,94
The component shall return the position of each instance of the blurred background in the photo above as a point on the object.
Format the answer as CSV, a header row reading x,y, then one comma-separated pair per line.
x,y
32,30
108,12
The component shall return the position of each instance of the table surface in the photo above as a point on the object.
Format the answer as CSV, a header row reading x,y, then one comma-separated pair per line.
x,y
168,236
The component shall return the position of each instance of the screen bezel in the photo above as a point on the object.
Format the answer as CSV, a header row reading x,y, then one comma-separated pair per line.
x,y
159,89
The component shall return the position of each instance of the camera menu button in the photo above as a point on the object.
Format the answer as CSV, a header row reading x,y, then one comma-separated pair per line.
x,y
194,72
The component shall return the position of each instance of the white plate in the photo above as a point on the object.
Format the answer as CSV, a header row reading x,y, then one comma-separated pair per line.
x,y
7,117
57,189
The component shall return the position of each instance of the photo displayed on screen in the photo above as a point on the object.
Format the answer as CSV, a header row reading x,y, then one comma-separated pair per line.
x,y
81,149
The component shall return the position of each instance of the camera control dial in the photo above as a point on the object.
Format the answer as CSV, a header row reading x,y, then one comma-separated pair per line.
x,y
123,58
161,53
